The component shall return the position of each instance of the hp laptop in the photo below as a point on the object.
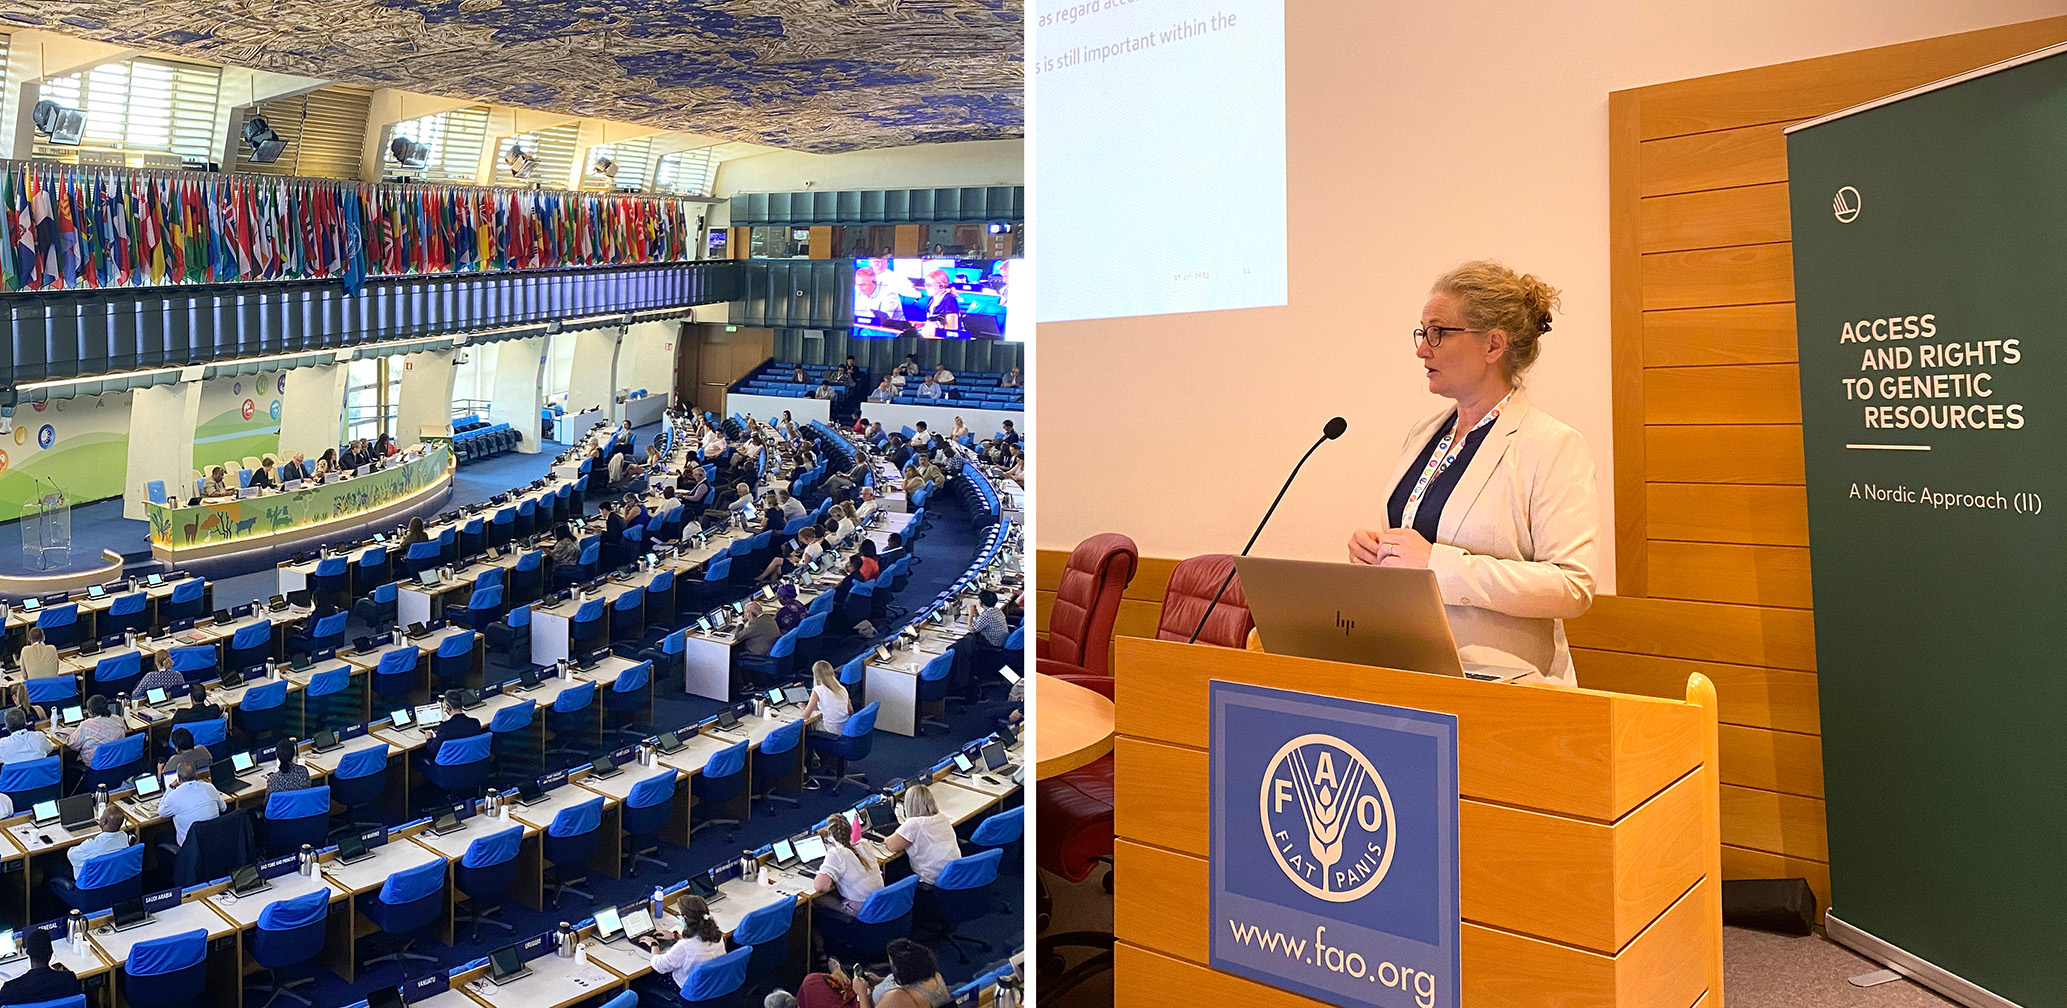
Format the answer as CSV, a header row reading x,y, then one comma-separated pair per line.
x,y
1389,617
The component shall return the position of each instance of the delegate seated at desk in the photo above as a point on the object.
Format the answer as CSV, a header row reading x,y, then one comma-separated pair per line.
x,y
186,754
849,874
21,741
161,676
296,468
43,981
699,940
39,660
199,709
111,838
191,800
266,476
927,835
291,775
829,700
914,982
216,484
457,725
99,727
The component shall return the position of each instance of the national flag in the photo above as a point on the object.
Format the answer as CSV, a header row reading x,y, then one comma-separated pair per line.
x,y
43,222
353,248
150,232
67,234
194,208
10,279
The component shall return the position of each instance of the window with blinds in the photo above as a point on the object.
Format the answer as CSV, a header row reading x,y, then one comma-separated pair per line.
x,y
3,73
139,106
634,160
325,130
455,139
689,173
554,149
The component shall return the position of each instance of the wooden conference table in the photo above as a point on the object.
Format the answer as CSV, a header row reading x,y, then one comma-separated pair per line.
x,y
1074,726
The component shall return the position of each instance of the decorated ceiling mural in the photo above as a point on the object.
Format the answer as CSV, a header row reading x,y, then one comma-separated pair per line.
x,y
815,75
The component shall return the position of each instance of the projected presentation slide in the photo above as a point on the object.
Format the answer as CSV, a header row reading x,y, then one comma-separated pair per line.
x,y
932,298
1159,150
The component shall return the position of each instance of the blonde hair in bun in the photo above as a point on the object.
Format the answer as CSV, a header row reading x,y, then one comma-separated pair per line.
x,y
1495,297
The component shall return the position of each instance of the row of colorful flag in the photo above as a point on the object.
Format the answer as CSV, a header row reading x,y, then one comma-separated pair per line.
x,y
70,228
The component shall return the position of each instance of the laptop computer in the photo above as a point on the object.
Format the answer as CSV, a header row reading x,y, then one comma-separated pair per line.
x,y
638,923
608,927
882,820
130,913
75,811
796,694
1389,617
71,716
96,591
430,716
351,848
810,852
246,880
506,964
148,788
446,822
11,946
964,766
301,599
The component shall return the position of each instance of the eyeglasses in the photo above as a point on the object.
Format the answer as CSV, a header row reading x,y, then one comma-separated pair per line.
x,y
1433,335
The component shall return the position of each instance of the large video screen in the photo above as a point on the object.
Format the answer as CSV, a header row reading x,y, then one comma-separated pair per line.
x,y
932,298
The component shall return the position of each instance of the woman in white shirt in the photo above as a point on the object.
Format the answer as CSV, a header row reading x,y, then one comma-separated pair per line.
x,y
828,700
848,875
926,836
698,940
844,527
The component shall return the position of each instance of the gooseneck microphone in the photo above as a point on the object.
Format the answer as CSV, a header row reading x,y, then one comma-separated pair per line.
x,y
1330,432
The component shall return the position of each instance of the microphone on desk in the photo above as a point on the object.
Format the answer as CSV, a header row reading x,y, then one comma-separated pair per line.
x,y
1330,432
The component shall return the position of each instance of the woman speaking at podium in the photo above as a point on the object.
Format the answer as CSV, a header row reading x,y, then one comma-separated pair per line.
x,y
1494,495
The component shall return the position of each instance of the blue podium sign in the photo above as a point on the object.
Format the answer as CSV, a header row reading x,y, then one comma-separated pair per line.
x,y
1334,840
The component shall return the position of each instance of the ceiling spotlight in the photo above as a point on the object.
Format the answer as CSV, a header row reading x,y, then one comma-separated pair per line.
x,y
266,145
62,125
408,153
518,161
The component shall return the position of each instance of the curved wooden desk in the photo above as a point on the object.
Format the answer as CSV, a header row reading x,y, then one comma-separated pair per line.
x,y
1072,726
312,514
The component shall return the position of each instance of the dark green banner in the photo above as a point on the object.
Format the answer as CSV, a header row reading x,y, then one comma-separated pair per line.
x,y
1930,265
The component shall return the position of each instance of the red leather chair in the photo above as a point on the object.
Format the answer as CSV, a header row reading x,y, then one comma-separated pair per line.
x,y
1087,601
1075,836
1192,584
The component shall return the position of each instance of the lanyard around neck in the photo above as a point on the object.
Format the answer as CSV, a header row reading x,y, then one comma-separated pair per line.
x,y
1445,453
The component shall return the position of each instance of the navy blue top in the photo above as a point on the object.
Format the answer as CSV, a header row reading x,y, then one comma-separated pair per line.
x,y
1431,512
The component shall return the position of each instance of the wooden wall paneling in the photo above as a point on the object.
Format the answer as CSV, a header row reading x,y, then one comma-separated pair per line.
x,y
1700,631
1726,394
1626,356
1770,821
1812,87
1750,695
1726,572
1723,513
1787,762
1704,278
1723,159
1746,215
1732,334
1738,453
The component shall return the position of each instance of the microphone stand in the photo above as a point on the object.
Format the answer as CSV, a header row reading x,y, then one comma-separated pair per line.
x,y
1229,579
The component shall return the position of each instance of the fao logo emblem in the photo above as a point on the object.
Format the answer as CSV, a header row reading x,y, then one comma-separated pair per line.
x,y
1327,817
1846,205
46,436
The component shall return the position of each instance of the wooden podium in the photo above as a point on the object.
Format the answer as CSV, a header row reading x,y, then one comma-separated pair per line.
x,y
1589,829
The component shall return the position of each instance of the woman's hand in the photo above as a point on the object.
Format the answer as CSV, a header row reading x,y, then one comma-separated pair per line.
x,y
1402,548
1364,547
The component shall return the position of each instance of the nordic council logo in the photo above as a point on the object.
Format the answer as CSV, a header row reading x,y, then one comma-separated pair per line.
x,y
1328,817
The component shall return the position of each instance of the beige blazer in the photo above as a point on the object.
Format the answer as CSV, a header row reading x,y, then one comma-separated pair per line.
x,y
1519,538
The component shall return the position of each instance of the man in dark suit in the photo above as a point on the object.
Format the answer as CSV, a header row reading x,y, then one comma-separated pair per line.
x,y
892,552
200,709
457,725
41,981
294,469
613,525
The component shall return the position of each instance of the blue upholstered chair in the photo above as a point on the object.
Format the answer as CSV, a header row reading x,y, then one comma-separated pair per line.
x,y
776,759
115,763
104,880
326,633
54,691
60,625
716,983
361,779
189,599
647,808
962,894
196,662
461,767
527,577
26,782
406,904
378,607
572,720
514,729
373,567
454,659
294,818
163,972
511,636
331,581
126,612
331,701
483,607
570,840
722,781
290,935
852,744
587,625
767,932
395,674
485,872
628,616
886,915
629,702
262,710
